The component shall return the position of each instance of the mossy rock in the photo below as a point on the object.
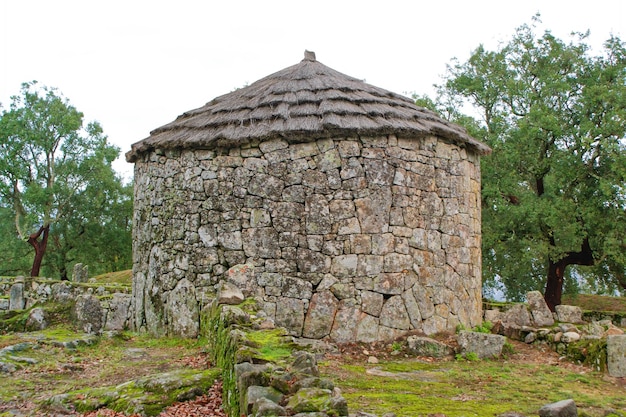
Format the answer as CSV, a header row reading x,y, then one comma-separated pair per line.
x,y
310,400
147,395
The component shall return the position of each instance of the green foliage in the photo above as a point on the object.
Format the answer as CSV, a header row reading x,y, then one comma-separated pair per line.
x,y
484,327
553,189
468,356
56,175
591,352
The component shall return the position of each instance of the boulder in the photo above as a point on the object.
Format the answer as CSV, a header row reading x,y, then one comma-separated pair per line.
x,y
541,314
182,310
565,408
484,345
36,320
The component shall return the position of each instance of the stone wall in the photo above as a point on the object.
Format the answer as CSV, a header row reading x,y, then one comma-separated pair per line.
x,y
356,239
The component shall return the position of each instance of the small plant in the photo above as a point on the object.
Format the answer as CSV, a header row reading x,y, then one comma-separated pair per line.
x,y
460,328
468,356
508,348
485,327
396,346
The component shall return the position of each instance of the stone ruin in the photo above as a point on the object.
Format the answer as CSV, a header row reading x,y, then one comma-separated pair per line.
x,y
349,212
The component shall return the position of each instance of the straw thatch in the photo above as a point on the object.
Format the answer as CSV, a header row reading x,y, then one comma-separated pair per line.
x,y
307,101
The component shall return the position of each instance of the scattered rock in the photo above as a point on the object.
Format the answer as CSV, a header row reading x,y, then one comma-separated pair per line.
x,y
565,408
229,294
570,337
372,360
7,368
305,363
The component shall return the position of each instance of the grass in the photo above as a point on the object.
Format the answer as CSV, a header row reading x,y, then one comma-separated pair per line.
x,y
596,302
108,362
119,277
461,388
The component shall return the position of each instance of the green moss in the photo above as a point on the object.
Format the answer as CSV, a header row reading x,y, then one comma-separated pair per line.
x,y
590,352
273,345
147,395
461,388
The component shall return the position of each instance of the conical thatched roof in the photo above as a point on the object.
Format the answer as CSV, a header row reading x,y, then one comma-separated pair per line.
x,y
306,101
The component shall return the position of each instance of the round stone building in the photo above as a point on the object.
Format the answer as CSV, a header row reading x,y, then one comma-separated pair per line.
x,y
347,210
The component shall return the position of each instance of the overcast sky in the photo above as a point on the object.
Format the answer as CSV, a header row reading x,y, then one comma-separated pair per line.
x,y
136,65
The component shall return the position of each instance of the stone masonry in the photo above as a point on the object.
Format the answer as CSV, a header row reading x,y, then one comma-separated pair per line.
x,y
354,238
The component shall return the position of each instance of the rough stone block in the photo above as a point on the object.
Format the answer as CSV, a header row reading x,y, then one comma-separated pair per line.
x,y
425,346
229,294
16,297
616,355
569,314
88,312
118,315
484,345
319,318
80,273
541,314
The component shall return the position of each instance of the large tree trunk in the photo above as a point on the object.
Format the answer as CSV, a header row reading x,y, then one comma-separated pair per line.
x,y
40,248
556,272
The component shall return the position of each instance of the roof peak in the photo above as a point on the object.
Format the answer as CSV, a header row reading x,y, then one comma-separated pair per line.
x,y
309,55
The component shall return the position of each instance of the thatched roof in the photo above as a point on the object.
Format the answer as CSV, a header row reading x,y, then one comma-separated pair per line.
x,y
304,102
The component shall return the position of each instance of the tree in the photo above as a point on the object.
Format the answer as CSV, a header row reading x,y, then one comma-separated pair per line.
x,y
554,194
55,173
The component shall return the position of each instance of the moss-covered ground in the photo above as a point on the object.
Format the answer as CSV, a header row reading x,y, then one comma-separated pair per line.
x,y
45,368
523,382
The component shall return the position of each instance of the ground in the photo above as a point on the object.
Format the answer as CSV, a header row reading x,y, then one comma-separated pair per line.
x,y
394,381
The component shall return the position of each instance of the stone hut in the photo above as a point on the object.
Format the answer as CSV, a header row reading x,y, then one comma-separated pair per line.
x,y
347,210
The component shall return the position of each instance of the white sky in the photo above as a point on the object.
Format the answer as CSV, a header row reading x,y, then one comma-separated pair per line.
x,y
135,65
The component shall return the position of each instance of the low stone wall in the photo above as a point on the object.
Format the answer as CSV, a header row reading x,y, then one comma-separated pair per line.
x,y
281,381
582,336
97,307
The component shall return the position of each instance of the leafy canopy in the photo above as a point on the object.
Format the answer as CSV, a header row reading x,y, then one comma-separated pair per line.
x,y
554,190
55,173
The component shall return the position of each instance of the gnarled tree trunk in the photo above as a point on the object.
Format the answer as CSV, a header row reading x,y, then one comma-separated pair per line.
x,y
556,272
40,248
